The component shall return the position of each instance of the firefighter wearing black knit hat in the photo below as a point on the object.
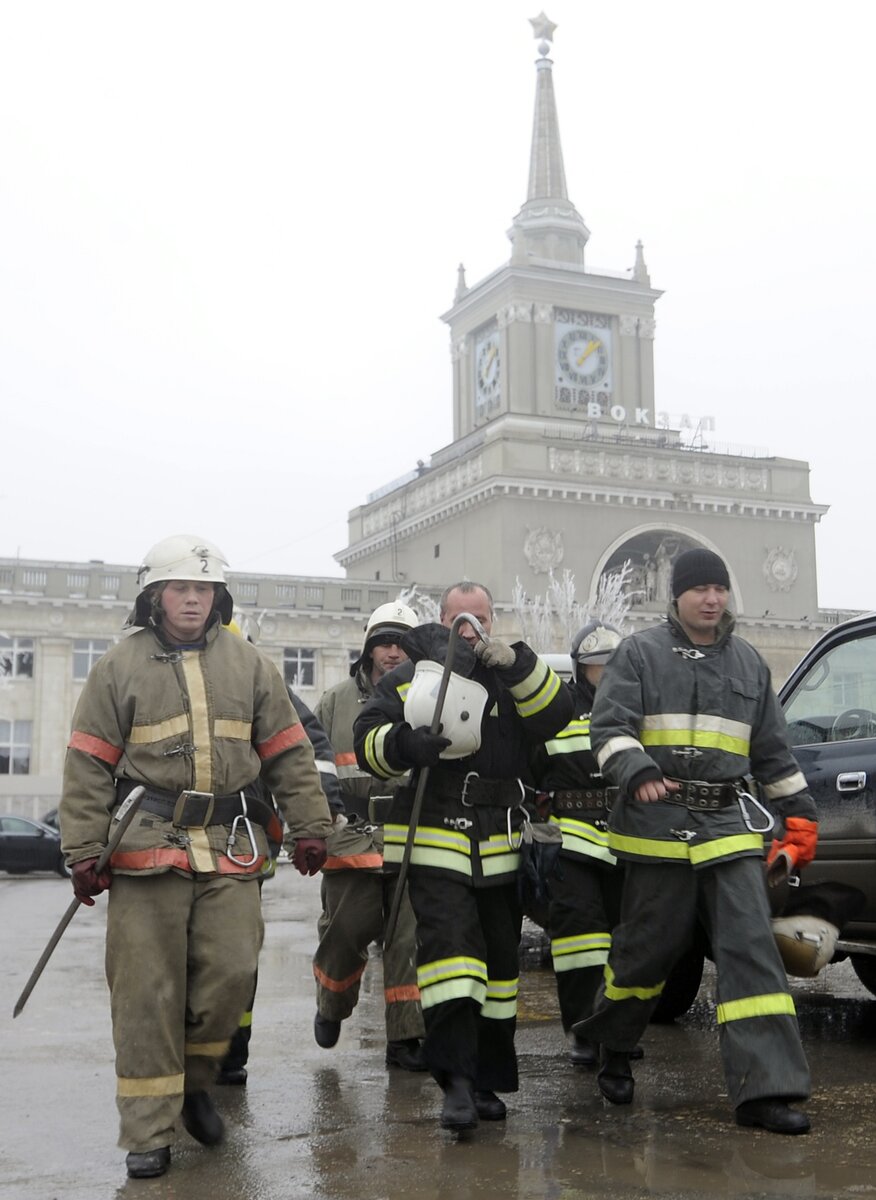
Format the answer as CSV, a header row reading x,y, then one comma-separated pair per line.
x,y
684,712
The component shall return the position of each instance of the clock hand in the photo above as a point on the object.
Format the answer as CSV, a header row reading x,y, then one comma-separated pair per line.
x,y
590,348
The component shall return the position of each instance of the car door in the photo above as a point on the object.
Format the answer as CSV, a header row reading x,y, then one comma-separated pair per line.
x,y
22,846
830,706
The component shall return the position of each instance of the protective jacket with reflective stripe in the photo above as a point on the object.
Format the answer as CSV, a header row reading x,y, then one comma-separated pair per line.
x,y
526,705
209,719
565,763
667,707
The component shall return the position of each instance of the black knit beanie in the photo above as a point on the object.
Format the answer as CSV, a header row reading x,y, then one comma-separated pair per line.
x,y
696,568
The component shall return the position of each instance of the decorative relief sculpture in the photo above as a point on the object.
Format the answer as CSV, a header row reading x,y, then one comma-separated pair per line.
x,y
686,470
543,550
780,569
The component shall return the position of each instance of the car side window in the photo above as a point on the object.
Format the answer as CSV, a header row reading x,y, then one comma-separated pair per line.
x,y
835,701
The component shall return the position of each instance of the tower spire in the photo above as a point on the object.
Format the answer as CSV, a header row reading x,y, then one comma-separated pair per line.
x,y
548,225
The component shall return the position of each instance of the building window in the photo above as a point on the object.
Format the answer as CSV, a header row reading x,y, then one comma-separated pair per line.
x,y
34,579
436,553
299,667
351,598
15,747
375,598
285,593
7,577
86,652
16,658
247,591
313,596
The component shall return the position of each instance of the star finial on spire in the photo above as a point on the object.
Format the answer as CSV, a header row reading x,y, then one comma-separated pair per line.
x,y
544,29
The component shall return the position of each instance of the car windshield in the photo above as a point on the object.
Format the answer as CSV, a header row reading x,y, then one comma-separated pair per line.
x,y
836,698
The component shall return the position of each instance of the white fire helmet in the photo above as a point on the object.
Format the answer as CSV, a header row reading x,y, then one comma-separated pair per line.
x,y
805,943
183,556
595,644
390,618
461,714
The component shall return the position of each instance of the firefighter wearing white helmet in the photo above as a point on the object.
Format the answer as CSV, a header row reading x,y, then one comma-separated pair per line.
x,y
356,893
585,899
203,722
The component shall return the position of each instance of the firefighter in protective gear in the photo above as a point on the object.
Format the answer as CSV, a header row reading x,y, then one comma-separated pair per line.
x,y
203,721
585,892
356,893
464,867
684,712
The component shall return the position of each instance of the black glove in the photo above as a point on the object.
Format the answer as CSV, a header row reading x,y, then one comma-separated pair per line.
x,y
308,855
87,882
419,747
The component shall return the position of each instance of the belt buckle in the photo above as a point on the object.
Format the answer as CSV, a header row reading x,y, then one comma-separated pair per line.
x,y
469,775
202,806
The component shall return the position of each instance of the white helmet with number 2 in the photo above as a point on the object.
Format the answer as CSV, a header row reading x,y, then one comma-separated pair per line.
x,y
183,556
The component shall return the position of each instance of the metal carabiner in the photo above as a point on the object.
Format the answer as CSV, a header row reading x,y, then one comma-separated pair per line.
x,y
527,820
741,797
684,835
232,836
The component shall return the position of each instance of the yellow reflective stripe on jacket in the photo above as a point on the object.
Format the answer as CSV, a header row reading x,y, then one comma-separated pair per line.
x,y
375,740
497,857
402,690
614,746
241,730
770,1005
647,847
145,735
536,691
700,729
433,847
441,969
571,740
737,843
613,992
199,711
789,786
580,837
500,1003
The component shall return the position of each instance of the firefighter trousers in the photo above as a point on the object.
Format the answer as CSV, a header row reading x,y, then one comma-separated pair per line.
x,y
181,954
468,945
584,908
759,1037
355,906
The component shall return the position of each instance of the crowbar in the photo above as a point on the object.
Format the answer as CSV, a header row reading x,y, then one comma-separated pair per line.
x,y
125,814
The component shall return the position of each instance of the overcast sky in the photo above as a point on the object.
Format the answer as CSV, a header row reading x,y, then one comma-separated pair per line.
x,y
227,231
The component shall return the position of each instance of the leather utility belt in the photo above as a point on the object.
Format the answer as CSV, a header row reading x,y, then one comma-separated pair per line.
x,y
197,809
474,791
578,799
697,794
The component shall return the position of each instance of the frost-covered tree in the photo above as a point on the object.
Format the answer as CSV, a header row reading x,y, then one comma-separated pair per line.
x,y
549,622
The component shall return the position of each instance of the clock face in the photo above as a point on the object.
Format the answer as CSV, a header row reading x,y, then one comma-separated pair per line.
x,y
584,356
487,364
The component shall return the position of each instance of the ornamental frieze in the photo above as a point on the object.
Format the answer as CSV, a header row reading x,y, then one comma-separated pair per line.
x,y
646,468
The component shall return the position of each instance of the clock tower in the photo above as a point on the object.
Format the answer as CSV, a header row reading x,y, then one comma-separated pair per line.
x,y
559,460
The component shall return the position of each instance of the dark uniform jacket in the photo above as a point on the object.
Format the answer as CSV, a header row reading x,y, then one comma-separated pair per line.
x,y
475,834
565,767
666,707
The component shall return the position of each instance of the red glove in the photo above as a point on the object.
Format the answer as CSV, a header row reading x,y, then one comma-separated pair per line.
x,y
309,855
87,882
799,842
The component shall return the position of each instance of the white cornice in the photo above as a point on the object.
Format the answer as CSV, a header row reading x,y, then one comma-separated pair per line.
x,y
509,488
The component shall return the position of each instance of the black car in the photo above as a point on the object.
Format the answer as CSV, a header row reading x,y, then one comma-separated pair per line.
x,y
830,706
30,846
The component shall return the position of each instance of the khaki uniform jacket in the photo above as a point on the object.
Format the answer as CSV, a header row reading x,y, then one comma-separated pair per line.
x,y
667,707
359,846
212,719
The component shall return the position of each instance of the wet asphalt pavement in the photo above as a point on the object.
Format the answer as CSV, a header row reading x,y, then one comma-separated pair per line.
x,y
337,1124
